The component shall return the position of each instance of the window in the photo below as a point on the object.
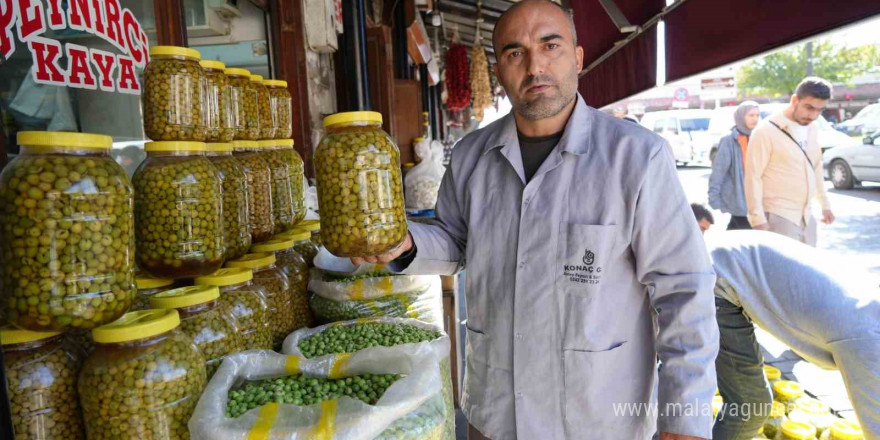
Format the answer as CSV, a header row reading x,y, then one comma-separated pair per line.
x,y
658,126
695,124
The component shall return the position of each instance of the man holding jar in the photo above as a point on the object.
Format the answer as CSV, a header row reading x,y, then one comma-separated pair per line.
x,y
585,264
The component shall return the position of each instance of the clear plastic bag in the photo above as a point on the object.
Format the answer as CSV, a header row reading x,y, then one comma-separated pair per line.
x,y
424,305
435,419
341,419
367,286
422,182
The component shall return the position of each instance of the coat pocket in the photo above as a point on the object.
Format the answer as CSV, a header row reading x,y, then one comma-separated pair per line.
x,y
583,253
476,369
603,398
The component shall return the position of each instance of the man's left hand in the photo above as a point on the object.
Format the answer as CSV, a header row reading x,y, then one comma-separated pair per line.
x,y
827,216
668,436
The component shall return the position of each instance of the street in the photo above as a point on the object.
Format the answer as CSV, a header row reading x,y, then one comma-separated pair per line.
x,y
856,232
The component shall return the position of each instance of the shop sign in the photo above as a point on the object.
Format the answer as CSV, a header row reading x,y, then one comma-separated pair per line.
x,y
87,68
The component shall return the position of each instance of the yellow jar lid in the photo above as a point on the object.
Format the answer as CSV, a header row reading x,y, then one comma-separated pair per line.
x,y
846,430
64,140
225,277
717,404
267,143
778,410
295,234
798,430
284,143
174,146
309,225
409,164
219,147
212,64
175,51
349,117
184,297
137,325
812,406
244,145
772,372
275,83
151,283
418,139
237,72
11,336
789,389
257,78
274,245
253,261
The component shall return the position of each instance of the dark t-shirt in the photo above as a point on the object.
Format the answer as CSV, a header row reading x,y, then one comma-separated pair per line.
x,y
534,150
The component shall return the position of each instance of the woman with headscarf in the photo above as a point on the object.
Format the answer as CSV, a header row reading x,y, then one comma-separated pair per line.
x,y
726,187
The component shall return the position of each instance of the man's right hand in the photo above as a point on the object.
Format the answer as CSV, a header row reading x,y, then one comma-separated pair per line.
x,y
762,227
388,256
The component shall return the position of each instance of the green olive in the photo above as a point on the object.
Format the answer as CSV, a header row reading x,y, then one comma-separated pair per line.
x,y
65,242
309,250
350,338
404,305
172,99
360,192
287,194
264,111
258,178
145,389
218,125
179,216
281,317
41,377
235,205
247,305
213,330
244,108
281,103
297,271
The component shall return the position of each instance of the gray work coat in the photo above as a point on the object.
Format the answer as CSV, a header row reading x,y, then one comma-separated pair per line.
x,y
577,283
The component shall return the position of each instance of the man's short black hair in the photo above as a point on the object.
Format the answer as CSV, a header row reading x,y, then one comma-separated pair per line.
x,y
701,213
815,87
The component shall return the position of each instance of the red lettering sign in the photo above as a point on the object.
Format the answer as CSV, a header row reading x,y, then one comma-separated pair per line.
x,y
8,12
56,17
105,62
128,82
79,74
79,15
113,14
30,20
46,69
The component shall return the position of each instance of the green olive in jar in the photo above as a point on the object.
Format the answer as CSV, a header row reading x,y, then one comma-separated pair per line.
x,y
172,95
283,207
258,180
243,105
360,190
41,375
264,108
235,205
143,380
210,327
272,279
178,211
281,106
245,301
302,244
294,266
295,167
215,105
66,233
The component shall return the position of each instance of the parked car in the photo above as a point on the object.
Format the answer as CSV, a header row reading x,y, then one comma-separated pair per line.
x,y
722,123
687,132
866,121
848,166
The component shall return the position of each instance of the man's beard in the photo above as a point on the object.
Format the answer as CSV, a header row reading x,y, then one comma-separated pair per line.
x,y
543,106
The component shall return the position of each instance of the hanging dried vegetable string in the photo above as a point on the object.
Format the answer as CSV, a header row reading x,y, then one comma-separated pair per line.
x,y
457,78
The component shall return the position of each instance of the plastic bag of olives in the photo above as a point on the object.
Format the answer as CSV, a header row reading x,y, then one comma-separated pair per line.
x,y
366,286
423,305
178,211
41,371
172,95
66,233
360,191
345,417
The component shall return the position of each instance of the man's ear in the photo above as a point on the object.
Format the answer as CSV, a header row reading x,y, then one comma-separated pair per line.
x,y
579,54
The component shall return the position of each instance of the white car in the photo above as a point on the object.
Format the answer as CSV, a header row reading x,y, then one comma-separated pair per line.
x,y
687,132
866,121
847,166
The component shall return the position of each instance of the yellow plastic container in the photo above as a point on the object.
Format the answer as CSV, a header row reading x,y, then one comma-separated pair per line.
x,y
843,430
258,175
215,105
264,108
246,302
297,271
813,412
792,430
788,393
173,82
281,316
147,287
237,233
282,107
243,105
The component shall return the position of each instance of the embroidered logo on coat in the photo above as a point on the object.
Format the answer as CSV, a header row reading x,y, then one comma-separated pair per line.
x,y
589,257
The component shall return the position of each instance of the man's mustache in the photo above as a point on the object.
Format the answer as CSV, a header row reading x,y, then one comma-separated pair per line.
x,y
538,80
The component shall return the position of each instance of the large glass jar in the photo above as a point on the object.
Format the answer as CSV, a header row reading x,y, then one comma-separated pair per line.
x,y
178,211
281,106
282,187
143,379
313,226
237,232
294,266
41,381
243,105
172,95
788,393
277,287
147,287
66,233
302,244
792,430
296,170
215,106
813,412
211,327
246,302
264,108
258,178
360,190
843,430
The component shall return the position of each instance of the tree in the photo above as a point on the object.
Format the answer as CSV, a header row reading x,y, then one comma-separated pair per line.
x,y
779,73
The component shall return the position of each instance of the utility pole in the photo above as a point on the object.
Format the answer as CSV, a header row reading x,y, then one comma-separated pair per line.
x,y
810,58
